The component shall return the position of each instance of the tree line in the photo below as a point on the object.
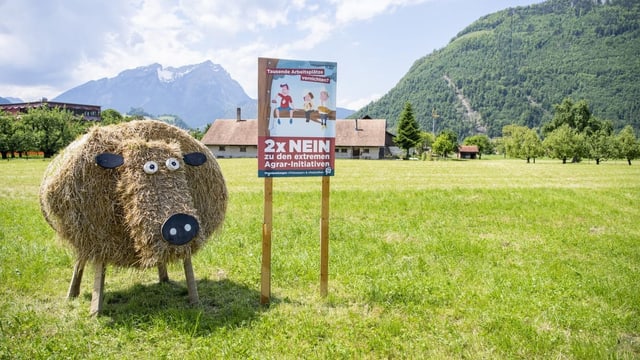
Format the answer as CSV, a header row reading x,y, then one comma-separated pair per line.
x,y
573,134
40,129
49,130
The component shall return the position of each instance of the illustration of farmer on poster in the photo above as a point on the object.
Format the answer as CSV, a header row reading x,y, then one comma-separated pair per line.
x,y
296,129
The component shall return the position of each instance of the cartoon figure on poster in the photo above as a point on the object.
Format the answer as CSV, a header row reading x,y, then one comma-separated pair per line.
x,y
308,106
286,102
323,110
307,120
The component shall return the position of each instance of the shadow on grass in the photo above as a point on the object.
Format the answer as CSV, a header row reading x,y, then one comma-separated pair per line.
x,y
223,303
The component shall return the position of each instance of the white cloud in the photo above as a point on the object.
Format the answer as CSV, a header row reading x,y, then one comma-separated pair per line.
x,y
355,104
348,11
47,39
313,32
28,92
242,64
235,16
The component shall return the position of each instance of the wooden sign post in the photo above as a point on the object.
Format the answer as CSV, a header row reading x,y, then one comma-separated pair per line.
x,y
295,141
265,273
324,238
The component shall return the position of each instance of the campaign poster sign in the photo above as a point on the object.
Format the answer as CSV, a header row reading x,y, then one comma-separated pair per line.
x,y
296,117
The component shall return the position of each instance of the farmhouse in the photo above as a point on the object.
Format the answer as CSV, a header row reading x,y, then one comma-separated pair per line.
x,y
355,138
362,139
87,112
231,138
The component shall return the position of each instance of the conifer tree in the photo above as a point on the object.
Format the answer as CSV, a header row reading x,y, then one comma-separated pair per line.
x,y
408,130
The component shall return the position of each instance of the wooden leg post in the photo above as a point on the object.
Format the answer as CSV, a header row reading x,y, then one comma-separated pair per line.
x,y
163,275
97,296
191,281
76,279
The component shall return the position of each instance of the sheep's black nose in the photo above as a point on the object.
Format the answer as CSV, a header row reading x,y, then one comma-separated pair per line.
x,y
179,229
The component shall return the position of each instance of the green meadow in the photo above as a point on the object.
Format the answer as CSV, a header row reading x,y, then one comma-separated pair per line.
x,y
480,259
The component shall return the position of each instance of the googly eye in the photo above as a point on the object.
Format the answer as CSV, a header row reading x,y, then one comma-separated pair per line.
x,y
150,167
172,164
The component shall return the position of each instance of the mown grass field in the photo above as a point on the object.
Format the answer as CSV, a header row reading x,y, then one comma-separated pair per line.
x,y
449,259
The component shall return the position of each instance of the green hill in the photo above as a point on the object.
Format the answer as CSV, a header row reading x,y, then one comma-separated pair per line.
x,y
512,66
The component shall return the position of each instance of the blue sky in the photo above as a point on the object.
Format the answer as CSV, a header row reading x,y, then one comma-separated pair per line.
x,y
50,46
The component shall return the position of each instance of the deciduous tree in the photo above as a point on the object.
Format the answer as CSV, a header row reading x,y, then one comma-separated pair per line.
x,y
111,116
426,140
6,132
531,146
565,143
442,146
629,147
575,115
602,144
22,139
522,142
513,137
53,129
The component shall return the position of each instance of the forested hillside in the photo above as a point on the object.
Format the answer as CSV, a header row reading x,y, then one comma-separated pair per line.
x,y
510,67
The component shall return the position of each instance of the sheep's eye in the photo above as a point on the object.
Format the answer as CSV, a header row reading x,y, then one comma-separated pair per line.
x,y
172,164
150,167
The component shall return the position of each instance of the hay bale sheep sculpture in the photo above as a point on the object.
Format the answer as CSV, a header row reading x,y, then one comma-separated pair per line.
x,y
137,194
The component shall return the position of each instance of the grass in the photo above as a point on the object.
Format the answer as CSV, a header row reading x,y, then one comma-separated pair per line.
x,y
450,259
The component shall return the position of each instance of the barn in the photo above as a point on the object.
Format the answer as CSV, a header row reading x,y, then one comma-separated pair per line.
x,y
468,152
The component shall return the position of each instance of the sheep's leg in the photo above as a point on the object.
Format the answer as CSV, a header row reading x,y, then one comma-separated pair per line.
x,y
191,281
76,279
163,275
98,288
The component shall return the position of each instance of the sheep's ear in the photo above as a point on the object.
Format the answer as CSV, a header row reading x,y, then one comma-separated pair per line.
x,y
109,160
195,158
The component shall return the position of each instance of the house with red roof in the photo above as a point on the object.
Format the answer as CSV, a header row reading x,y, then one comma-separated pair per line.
x,y
468,152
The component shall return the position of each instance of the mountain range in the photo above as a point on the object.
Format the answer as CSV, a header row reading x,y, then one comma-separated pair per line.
x,y
512,66
198,94
9,100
